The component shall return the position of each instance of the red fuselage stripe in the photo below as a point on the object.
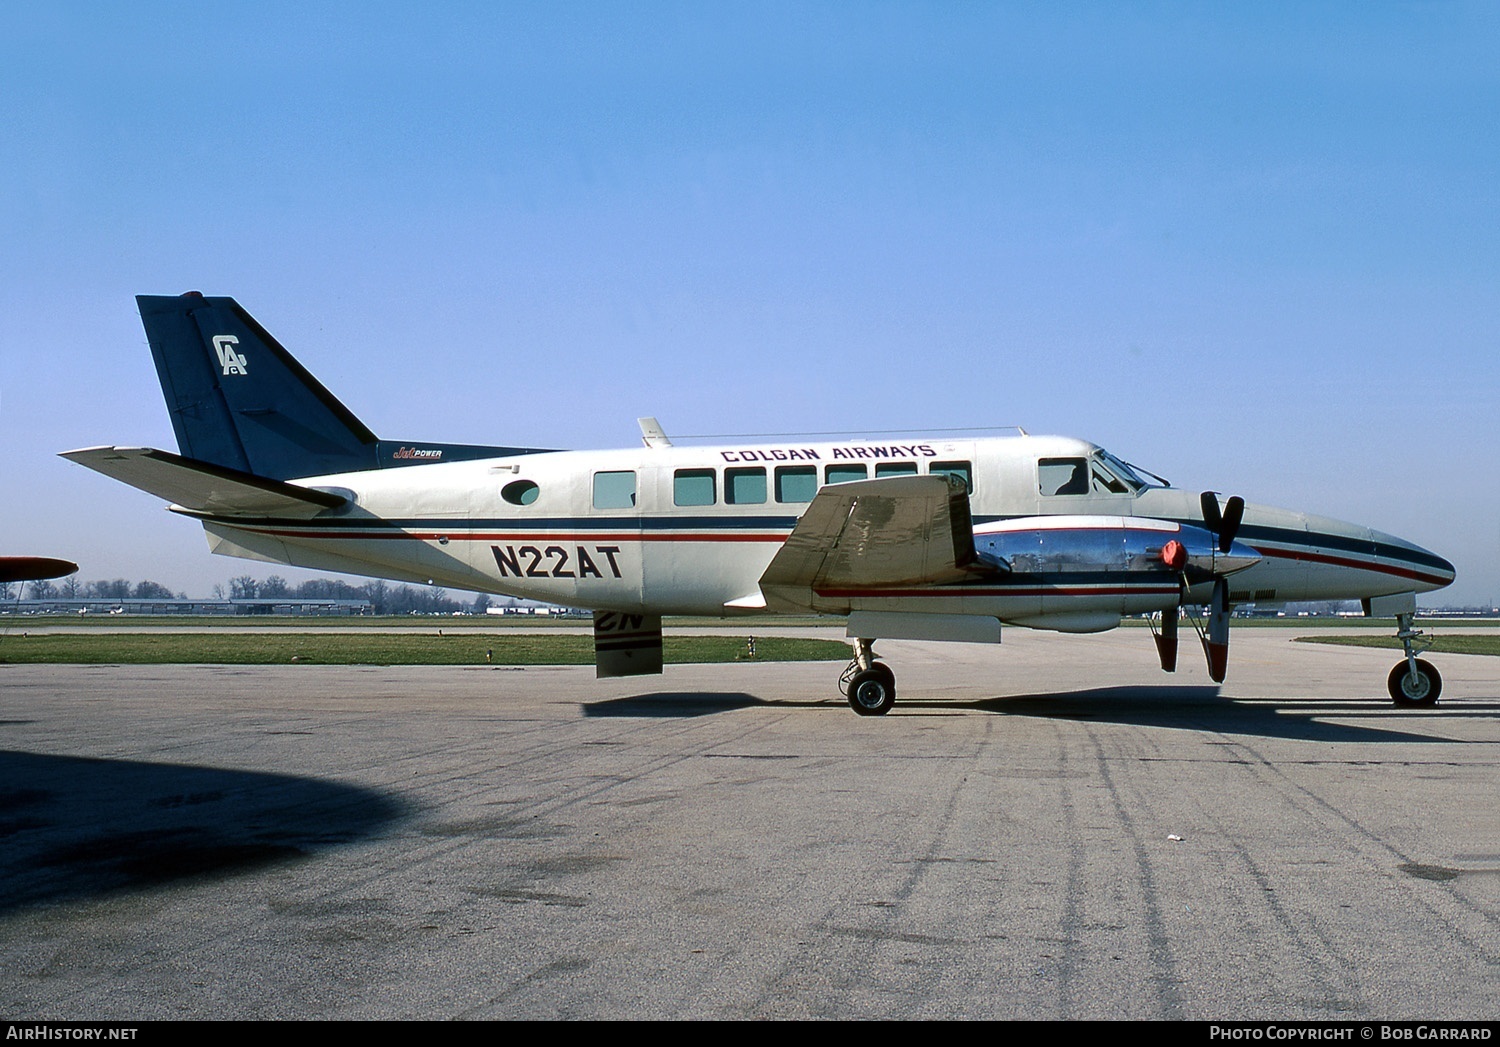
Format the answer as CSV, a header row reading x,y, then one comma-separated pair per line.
x,y
761,537
1361,565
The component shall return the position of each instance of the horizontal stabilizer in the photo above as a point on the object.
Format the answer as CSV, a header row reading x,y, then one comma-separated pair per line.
x,y
901,530
203,488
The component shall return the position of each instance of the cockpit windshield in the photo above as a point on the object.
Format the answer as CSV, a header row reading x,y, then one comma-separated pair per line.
x,y
1130,475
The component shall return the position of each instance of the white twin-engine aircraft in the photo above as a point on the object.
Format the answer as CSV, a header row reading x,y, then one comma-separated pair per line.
x,y
928,539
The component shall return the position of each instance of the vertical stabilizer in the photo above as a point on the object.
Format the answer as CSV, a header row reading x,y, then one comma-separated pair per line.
x,y
239,400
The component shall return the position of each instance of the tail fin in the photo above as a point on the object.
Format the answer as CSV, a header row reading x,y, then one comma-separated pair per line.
x,y
239,400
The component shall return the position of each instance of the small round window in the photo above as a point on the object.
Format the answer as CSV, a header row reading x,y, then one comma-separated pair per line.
x,y
520,492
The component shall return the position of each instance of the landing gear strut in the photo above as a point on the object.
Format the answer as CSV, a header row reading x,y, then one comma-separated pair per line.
x,y
870,685
1413,681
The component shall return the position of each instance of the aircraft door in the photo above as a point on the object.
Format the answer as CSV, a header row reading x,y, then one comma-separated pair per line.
x,y
441,519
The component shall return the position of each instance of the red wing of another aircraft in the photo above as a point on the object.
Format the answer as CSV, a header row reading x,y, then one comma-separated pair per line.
x,y
34,568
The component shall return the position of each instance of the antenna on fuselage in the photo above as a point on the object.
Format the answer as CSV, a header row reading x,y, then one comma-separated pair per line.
x,y
652,433
969,429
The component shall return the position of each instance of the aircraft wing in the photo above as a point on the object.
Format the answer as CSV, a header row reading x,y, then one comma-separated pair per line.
x,y
203,488
902,530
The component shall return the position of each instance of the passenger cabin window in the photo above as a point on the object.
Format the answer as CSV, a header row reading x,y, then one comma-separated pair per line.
x,y
895,469
745,486
796,483
842,474
963,470
693,487
614,490
1062,476
520,492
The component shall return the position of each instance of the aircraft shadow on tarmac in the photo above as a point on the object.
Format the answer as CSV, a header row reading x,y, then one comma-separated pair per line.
x,y
78,828
1183,708
668,704
1206,709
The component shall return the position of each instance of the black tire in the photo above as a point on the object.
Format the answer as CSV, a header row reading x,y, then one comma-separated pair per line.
x,y
872,692
1423,690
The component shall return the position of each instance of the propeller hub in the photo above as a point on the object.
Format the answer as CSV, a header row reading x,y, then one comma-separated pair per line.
x,y
1174,554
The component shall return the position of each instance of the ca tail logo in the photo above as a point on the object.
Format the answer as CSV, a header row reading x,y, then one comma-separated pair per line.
x,y
231,361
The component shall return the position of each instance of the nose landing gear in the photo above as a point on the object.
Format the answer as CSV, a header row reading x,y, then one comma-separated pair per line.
x,y
1413,681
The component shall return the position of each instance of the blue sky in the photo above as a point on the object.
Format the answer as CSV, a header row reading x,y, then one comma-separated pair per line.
x,y
1252,247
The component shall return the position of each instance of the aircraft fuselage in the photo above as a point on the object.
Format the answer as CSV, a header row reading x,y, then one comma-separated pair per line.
x,y
609,530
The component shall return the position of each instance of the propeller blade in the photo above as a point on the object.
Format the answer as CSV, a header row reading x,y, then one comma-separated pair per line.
x,y
1166,640
1216,641
1234,512
1211,518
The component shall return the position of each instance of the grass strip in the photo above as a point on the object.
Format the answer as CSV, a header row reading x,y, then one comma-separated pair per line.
x,y
483,622
1459,644
386,649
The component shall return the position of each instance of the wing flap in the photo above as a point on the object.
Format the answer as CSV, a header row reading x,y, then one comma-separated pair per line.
x,y
203,488
902,530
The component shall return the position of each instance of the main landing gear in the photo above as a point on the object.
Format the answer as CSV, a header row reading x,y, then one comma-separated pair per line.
x,y
870,685
1413,681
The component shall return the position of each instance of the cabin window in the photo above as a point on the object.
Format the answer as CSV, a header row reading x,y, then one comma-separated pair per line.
x,y
1062,476
963,470
883,469
796,483
842,474
614,490
693,487
520,492
745,486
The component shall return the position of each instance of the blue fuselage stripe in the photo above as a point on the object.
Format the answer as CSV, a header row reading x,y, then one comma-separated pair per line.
x,y
700,527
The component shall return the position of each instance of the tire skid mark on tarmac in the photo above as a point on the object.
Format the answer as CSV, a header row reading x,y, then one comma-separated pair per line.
x,y
1441,899
654,761
881,928
1163,978
1335,978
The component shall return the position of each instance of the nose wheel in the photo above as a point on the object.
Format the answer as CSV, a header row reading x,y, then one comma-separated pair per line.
x,y
1419,687
1413,680
869,685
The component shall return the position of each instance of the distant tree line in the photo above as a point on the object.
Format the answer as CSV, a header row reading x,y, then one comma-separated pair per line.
x,y
384,598
73,589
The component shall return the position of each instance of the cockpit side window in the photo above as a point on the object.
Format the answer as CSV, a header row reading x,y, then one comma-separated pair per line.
x,y
1062,476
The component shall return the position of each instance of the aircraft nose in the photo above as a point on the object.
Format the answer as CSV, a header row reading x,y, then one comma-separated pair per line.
x,y
1428,568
